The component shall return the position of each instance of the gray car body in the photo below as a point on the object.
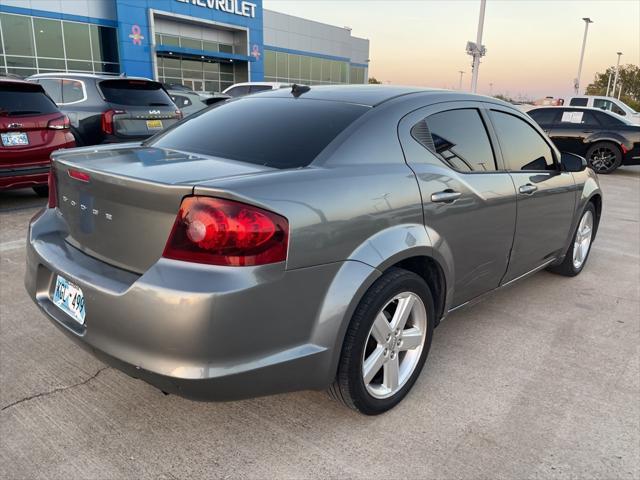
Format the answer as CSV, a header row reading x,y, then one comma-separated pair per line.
x,y
362,207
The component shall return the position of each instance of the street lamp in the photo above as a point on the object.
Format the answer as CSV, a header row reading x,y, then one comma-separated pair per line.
x,y
477,50
461,72
587,21
615,79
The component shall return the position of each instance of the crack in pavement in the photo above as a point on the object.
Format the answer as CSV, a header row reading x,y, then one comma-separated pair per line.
x,y
55,390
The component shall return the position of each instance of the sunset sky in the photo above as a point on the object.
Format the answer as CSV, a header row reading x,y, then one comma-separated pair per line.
x,y
533,47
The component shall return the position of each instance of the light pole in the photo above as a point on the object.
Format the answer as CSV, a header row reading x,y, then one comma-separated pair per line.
x,y
477,50
608,85
615,78
587,21
461,72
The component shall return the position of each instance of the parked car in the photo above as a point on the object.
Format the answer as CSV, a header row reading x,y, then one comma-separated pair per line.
x,y
605,139
247,88
31,127
190,102
319,254
108,108
606,103
183,88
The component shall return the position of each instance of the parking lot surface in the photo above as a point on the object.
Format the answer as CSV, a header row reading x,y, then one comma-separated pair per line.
x,y
540,380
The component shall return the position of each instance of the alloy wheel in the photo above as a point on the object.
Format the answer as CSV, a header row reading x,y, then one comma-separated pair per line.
x,y
394,345
582,241
602,159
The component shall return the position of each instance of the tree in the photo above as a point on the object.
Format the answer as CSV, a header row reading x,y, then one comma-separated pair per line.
x,y
374,81
629,78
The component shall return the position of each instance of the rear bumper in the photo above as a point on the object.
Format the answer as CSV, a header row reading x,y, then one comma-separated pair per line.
x,y
24,177
203,332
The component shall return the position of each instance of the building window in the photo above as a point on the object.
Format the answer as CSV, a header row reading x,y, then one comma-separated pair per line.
x,y
200,75
167,40
306,69
357,75
30,45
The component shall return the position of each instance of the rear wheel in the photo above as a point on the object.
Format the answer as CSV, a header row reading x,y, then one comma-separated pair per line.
x,y
41,190
604,157
578,253
386,343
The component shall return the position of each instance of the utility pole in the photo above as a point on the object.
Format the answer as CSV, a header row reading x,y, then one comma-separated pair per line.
x,y
620,91
615,79
461,72
587,21
477,50
608,85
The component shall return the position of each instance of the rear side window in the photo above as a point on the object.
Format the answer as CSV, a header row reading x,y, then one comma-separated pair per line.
x,y
135,92
17,99
543,116
608,120
579,102
259,88
276,132
578,117
238,91
459,138
522,146
63,91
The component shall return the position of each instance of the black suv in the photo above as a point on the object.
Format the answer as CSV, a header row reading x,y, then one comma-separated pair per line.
x,y
108,108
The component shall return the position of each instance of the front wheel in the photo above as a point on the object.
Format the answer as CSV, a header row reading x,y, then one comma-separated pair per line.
x,y
578,253
386,344
604,157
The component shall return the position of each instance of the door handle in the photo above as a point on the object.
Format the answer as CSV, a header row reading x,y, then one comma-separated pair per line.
x,y
446,196
587,131
528,189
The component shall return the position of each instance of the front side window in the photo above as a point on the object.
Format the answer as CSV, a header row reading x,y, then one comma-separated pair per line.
x,y
275,132
608,120
459,138
578,117
523,148
72,91
543,116
579,102
181,101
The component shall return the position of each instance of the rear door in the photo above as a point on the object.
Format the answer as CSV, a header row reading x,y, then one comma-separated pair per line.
x,y
572,128
545,194
138,108
468,199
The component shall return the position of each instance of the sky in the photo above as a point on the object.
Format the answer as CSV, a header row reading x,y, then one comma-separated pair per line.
x,y
533,47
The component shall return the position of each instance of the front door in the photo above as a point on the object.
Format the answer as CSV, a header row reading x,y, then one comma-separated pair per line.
x,y
468,199
545,194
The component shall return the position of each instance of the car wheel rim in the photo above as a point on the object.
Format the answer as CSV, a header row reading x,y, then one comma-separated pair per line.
x,y
394,345
582,242
602,159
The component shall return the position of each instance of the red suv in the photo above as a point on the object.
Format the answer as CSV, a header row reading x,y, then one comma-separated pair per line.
x,y
31,127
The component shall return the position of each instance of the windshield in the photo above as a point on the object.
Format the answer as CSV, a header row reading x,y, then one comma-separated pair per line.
x,y
275,132
142,93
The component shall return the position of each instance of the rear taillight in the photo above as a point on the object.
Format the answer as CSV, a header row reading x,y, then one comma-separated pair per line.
x,y
53,194
60,123
78,175
179,114
107,120
223,232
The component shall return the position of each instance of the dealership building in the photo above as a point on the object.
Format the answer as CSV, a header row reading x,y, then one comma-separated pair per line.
x,y
204,44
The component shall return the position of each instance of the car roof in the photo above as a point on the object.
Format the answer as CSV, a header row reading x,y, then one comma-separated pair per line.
x,y
264,84
97,76
13,80
372,95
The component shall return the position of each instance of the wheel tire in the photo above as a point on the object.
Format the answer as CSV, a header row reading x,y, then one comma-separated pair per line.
x,y
568,268
41,190
598,151
349,387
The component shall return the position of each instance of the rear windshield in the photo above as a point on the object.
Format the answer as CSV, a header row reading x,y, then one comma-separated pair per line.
x,y
18,100
276,132
135,92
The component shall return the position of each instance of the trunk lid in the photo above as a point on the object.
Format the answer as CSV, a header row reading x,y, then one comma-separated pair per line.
x,y
123,215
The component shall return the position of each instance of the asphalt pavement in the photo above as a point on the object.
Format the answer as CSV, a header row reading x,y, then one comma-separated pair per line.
x,y
540,380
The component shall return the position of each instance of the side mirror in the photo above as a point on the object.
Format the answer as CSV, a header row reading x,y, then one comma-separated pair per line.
x,y
571,162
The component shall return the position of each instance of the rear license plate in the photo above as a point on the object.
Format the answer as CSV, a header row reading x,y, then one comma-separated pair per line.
x,y
154,124
68,297
14,139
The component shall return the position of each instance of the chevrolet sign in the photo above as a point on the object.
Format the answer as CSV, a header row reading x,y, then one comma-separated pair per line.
x,y
237,7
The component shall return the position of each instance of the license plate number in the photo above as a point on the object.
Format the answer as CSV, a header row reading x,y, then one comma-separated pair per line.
x,y
68,297
154,124
14,139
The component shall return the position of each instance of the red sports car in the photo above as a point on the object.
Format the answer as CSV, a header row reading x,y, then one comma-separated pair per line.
x,y
31,127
